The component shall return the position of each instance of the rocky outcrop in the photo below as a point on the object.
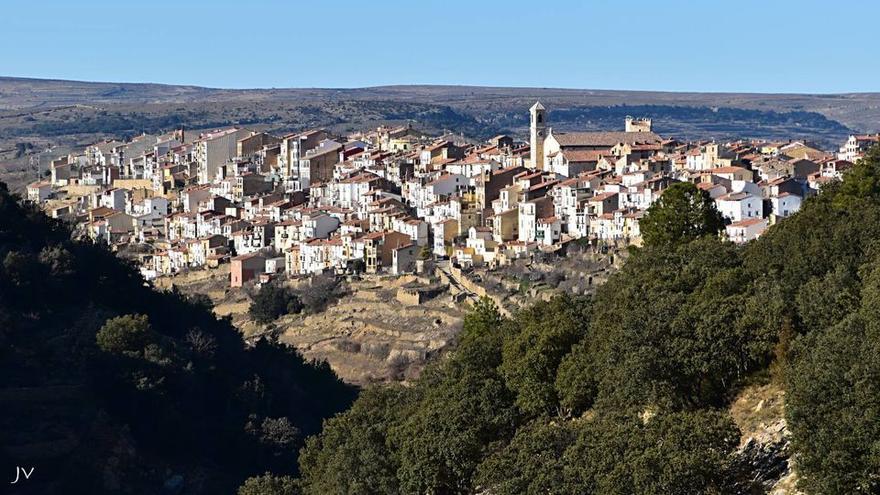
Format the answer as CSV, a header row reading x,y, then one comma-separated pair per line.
x,y
764,463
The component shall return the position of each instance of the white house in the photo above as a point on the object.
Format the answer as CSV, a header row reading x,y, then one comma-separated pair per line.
x,y
740,206
473,169
785,204
113,198
444,185
215,149
746,230
415,228
39,191
547,230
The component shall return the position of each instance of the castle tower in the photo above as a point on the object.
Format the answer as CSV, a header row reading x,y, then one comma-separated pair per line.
x,y
638,125
538,131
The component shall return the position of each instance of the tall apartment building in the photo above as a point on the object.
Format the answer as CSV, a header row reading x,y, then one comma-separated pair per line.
x,y
293,149
215,149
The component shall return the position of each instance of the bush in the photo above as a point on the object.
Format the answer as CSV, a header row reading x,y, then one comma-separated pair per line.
x,y
125,334
272,301
269,484
322,290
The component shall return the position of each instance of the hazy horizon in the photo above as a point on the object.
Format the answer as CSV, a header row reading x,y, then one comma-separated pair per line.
x,y
730,47
427,84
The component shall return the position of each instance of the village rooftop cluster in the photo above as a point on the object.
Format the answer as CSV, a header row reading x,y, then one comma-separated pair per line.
x,y
383,200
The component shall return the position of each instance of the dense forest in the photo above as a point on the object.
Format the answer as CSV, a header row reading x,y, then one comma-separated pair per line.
x,y
627,392
109,386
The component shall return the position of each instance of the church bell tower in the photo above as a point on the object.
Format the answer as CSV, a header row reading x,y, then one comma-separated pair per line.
x,y
538,131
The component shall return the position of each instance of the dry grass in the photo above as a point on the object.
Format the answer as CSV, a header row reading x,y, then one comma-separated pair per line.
x,y
757,407
367,336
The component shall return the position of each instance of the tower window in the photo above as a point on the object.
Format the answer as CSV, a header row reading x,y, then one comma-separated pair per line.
x,y
540,118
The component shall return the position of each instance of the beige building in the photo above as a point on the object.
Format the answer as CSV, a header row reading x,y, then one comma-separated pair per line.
x,y
254,143
293,149
317,165
39,192
537,134
505,225
214,150
638,125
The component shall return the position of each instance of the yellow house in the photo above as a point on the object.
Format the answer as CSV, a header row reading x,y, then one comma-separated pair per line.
x,y
505,225
732,173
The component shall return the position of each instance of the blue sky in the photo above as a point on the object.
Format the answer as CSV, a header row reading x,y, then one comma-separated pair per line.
x,y
755,46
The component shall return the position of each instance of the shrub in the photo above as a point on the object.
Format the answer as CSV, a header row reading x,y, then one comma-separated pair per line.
x,y
125,334
273,301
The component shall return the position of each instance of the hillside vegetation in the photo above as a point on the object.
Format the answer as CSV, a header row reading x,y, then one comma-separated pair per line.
x,y
107,385
110,386
628,392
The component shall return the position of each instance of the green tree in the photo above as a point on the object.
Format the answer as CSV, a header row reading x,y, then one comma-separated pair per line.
x,y
453,427
272,301
429,437
481,335
810,261
825,300
168,377
532,462
425,253
677,326
129,334
682,213
833,399
833,408
463,406
686,452
269,484
278,435
352,454
862,182
577,380
536,340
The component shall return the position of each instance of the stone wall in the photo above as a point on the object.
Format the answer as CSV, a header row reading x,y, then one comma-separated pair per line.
x,y
461,283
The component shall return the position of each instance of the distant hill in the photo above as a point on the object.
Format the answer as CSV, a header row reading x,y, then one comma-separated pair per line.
x,y
860,111
73,113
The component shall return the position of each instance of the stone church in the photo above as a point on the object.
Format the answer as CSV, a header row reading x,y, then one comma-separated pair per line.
x,y
545,144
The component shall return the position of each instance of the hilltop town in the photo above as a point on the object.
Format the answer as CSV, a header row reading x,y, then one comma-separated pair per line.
x,y
453,248
390,200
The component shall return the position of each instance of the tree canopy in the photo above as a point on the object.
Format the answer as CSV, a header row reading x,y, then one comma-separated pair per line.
x,y
491,415
627,392
273,300
99,365
623,392
681,214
